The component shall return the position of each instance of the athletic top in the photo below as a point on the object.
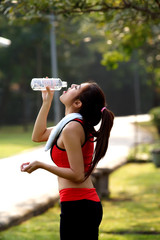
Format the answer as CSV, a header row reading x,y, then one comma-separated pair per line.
x,y
59,155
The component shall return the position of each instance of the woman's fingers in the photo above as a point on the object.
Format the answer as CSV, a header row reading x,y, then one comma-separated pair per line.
x,y
24,166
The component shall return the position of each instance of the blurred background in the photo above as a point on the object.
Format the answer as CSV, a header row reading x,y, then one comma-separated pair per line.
x,y
115,43
123,60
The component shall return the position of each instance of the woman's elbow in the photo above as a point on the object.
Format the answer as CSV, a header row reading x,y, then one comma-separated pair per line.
x,y
35,139
79,178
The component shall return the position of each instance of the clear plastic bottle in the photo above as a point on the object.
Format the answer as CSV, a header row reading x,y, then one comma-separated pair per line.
x,y
40,84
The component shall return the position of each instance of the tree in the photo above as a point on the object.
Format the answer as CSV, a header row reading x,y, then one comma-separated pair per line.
x,y
29,56
32,8
18,64
116,29
132,23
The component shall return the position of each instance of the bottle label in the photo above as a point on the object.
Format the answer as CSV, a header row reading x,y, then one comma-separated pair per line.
x,y
41,83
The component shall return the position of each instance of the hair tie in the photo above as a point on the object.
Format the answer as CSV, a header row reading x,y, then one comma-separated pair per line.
x,y
103,109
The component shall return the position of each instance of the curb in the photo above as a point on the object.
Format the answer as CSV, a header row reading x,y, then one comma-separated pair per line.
x,y
32,208
21,215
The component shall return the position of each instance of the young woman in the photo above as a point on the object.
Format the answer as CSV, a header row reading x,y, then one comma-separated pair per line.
x,y
73,153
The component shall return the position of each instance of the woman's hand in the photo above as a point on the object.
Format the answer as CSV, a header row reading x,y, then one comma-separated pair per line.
x,y
40,130
30,167
47,95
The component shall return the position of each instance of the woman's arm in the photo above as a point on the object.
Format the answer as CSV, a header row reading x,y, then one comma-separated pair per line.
x,y
40,130
66,173
72,141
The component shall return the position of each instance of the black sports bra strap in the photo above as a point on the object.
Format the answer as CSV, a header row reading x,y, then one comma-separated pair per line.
x,y
75,120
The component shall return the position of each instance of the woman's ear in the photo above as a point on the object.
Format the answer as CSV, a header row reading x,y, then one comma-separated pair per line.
x,y
77,104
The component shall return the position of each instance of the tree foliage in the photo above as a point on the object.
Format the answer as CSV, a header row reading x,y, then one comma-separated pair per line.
x,y
78,53
126,24
30,8
114,29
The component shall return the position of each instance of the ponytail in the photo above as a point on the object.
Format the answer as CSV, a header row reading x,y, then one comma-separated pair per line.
x,y
101,138
93,111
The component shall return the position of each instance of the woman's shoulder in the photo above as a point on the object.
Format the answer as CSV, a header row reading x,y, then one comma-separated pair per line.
x,y
73,126
74,131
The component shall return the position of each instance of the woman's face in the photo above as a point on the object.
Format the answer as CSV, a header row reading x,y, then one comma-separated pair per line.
x,y
69,96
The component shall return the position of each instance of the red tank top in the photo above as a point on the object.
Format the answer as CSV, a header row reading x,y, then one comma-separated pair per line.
x,y
59,155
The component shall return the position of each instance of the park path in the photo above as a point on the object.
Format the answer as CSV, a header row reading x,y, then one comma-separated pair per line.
x,y
23,195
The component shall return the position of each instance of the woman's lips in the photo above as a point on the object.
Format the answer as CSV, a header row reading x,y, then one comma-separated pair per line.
x,y
66,90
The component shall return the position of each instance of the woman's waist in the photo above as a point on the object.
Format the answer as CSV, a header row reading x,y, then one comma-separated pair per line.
x,y
70,191
74,194
64,183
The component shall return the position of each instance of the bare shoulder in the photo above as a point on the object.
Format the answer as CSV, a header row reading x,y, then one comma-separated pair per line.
x,y
74,128
74,132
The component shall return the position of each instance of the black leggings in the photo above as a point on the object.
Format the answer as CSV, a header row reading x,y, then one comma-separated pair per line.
x,y
80,220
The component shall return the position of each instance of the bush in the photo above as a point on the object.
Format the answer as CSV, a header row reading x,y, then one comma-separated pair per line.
x,y
155,114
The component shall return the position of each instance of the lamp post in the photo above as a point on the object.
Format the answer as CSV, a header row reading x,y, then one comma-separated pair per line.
x,y
54,70
137,100
4,42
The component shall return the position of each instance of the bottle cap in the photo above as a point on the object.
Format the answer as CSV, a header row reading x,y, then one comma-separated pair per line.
x,y
64,84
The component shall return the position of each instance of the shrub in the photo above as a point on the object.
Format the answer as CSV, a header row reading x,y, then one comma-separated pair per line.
x,y
155,114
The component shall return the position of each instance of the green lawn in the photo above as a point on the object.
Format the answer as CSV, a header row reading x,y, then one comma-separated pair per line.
x,y
134,205
13,140
142,152
132,213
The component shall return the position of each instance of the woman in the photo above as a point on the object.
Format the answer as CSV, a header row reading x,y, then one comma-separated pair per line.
x,y
73,153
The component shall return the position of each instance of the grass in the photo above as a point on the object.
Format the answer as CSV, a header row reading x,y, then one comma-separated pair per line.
x,y
149,127
13,140
134,201
132,212
142,152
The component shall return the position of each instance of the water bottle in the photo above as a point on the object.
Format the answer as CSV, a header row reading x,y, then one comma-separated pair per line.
x,y
40,84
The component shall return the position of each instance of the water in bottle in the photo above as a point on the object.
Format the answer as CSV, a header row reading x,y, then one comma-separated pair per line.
x,y
40,84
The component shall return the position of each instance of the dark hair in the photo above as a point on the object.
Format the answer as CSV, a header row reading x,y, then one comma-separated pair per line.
x,y
93,100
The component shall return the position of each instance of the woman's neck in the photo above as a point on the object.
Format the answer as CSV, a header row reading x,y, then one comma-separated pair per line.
x,y
70,110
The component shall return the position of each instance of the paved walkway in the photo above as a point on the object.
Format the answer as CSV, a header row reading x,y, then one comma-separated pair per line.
x,y
24,195
124,135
